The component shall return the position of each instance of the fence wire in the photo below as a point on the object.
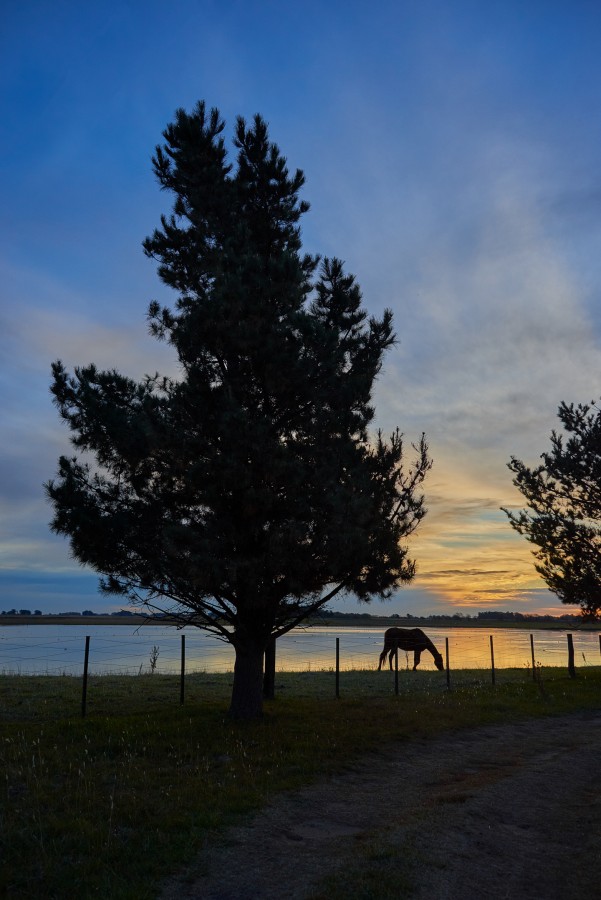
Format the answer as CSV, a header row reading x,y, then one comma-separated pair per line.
x,y
48,650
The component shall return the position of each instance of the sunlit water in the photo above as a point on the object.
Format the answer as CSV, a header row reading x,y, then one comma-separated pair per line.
x,y
121,649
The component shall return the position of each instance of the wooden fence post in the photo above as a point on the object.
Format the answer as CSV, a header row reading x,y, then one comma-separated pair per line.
x,y
446,644
492,659
396,671
84,690
532,654
337,668
183,671
571,667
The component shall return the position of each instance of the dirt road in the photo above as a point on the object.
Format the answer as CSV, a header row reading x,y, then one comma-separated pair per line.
x,y
503,811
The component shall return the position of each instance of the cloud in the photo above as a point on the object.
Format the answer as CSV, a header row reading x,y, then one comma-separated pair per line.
x,y
496,326
40,336
32,437
499,334
468,573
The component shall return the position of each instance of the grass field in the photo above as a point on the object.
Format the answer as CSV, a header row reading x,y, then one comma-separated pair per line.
x,y
109,805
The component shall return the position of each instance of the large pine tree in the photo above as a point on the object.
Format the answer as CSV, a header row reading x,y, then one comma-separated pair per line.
x,y
243,495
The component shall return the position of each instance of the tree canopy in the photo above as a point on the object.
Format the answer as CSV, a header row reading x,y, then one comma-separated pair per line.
x,y
244,494
563,518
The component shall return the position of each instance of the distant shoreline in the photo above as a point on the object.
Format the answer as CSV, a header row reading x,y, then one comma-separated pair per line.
x,y
83,620
353,621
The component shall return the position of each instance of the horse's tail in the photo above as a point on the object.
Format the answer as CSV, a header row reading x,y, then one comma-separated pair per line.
x,y
383,655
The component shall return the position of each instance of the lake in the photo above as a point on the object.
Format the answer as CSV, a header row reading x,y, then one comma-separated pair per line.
x,y
121,649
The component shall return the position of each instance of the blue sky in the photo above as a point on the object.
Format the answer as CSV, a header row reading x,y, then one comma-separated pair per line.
x,y
451,152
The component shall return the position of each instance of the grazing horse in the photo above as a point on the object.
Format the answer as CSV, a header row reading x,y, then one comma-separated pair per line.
x,y
408,639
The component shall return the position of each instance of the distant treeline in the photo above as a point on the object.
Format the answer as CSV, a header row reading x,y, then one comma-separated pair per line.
x,y
326,615
456,618
86,612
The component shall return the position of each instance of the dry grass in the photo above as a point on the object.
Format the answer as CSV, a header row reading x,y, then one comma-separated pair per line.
x,y
109,805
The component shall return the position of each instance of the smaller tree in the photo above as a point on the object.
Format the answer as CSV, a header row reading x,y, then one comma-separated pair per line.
x,y
564,516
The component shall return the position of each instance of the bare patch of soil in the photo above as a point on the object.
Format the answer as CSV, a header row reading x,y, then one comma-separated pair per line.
x,y
503,811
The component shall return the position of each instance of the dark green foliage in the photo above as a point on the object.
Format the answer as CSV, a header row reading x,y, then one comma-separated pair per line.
x,y
564,516
246,493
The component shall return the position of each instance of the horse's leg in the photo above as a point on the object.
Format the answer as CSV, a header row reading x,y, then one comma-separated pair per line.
x,y
416,658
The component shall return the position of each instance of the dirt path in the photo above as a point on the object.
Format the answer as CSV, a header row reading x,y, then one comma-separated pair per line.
x,y
504,811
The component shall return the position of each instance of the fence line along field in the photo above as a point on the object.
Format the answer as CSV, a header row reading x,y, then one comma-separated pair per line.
x,y
157,649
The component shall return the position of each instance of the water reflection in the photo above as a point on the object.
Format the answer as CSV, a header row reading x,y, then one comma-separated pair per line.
x,y
57,649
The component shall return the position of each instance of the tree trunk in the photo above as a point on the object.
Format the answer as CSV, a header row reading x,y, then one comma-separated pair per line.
x,y
247,692
269,677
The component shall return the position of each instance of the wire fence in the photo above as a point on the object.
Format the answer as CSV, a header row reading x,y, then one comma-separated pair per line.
x,y
52,650
317,662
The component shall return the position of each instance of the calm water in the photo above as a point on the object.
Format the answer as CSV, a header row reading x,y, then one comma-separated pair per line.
x,y
58,649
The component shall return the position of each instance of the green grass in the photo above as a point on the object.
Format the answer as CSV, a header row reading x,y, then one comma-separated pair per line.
x,y
109,805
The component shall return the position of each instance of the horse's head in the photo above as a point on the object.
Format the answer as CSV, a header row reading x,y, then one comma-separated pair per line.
x,y
438,662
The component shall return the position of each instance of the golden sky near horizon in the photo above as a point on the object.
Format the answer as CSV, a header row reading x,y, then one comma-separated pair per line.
x,y
468,556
